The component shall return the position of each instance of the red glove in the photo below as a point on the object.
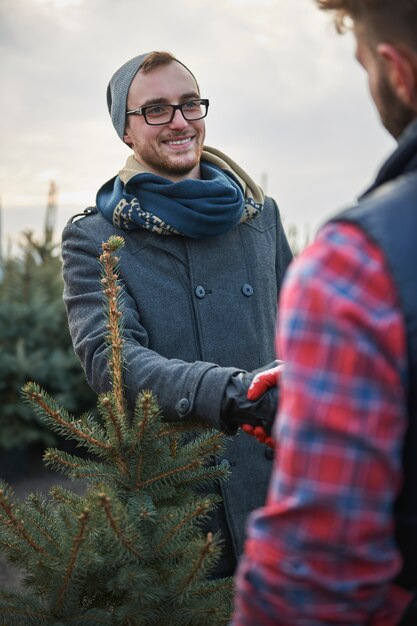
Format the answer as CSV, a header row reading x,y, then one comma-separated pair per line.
x,y
261,383
264,380
259,433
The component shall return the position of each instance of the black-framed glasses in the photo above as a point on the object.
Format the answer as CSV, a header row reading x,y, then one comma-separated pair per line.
x,y
158,114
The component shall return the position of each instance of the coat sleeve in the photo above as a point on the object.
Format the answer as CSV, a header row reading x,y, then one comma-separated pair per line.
x,y
284,254
184,390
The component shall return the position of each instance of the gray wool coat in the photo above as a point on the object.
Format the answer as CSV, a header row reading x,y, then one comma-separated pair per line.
x,y
196,311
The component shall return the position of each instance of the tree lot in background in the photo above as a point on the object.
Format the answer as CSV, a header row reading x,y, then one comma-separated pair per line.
x,y
34,339
130,551
297,239
35,343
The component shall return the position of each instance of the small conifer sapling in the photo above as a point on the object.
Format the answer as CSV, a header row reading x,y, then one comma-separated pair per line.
x,y
130,550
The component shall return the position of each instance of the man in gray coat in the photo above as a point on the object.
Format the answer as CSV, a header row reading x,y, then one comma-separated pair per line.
x,y
204,256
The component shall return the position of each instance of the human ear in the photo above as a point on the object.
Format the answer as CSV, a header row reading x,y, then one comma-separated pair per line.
x,y
126,139
401,72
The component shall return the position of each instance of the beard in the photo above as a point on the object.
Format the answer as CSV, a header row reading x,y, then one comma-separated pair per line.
x,y
172,167
395,115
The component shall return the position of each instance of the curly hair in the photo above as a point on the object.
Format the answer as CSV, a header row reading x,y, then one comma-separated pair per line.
x,y
393,21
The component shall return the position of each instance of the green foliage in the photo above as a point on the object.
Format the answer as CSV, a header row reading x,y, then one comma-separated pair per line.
x,y
129,551
35,344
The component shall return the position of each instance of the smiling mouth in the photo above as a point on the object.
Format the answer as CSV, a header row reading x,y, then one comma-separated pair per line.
x,y
179,142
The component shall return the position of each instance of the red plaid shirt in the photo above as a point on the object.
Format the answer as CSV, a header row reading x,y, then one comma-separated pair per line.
x,y
321,550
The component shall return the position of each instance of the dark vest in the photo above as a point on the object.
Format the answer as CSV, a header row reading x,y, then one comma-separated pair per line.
x,y
388,215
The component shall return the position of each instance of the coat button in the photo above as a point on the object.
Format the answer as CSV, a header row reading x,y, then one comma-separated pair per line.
x,y
200,292
269,454
247,290
225,463
183,405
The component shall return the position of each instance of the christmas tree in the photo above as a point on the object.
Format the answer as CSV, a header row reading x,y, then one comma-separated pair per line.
x,y
129,551
35,343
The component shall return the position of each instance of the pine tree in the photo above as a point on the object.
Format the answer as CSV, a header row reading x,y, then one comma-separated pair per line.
x,y
35,343
130,550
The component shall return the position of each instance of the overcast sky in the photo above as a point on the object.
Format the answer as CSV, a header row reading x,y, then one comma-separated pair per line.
x,y
287,100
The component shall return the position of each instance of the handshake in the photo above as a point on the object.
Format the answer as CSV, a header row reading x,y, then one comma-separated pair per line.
x,y
251,400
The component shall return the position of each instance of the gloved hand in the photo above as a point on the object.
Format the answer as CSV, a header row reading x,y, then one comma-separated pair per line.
x,y
264,380
259,411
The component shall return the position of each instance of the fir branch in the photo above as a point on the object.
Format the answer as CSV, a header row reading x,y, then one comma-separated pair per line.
x,y
18,525
200,511
99,617
138,470
16,554
78,539
213,586
109,413
207,613
40,399
63,496
86,620
19,606
188,426
145,403
207,550
106,505
71,465
114,338
206,476
210,443
173,447
147,414
121,464
193,465
40,519
15,605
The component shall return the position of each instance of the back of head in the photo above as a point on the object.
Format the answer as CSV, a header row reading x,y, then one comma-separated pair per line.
x,y
119,85
391,21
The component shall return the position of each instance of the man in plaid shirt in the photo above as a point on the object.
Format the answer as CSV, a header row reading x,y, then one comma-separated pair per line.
x,y
336,542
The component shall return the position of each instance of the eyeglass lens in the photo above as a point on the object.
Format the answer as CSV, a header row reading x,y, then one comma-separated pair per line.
x,y
163,113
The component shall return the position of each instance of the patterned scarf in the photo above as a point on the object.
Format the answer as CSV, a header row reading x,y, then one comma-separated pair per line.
x,y
199,208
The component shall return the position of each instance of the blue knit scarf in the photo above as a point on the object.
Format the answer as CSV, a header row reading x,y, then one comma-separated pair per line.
x,y
197,208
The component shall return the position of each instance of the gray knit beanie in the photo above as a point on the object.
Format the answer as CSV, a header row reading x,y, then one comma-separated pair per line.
x,y
118,89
